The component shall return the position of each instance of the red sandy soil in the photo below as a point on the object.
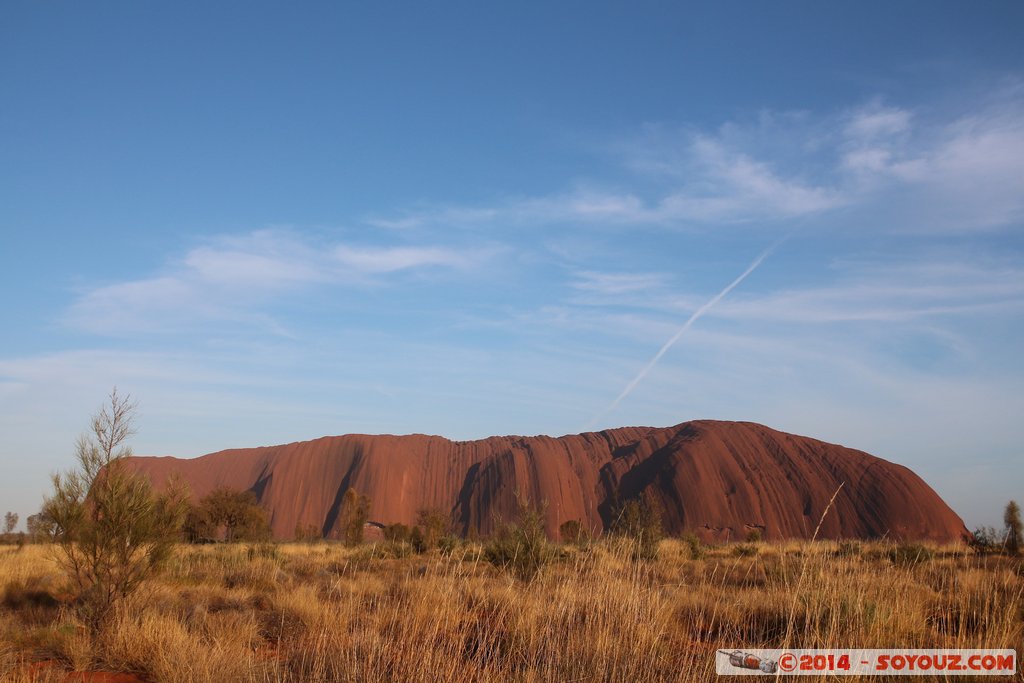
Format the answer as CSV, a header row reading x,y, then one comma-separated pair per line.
x,y
85,676
101,677
718,479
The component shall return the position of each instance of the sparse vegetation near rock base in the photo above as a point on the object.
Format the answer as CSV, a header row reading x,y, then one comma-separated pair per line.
x,y
326,612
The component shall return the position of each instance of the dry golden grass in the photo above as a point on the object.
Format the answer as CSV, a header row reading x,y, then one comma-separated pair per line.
x,y
329,613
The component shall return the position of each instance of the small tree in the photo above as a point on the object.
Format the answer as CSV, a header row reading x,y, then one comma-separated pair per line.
x,y
112,529
1011,518
39,528
521,547
229,514
985,540
435,524
355,512
640,521
10,521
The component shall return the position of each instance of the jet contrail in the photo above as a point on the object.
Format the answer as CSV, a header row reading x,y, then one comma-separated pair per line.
x,y
682,330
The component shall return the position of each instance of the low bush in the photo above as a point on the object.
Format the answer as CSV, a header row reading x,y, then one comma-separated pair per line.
x,y
397,532
573,532
847,549
986,541
34,592
909,554
448,544
521,547
639,521
694,545
744,550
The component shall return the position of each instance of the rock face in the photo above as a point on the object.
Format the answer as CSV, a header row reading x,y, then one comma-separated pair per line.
x,y
718,479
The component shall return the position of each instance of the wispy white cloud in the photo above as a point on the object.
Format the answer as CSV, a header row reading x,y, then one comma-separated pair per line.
x,y
713,185
960,174
894,168
875,120
618,283
741,188
228,279
906,292
375,260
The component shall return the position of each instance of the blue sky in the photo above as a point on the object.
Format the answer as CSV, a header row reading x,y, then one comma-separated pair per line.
x,y
270,223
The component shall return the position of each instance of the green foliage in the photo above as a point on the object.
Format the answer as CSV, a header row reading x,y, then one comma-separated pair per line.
x,y
909,554
447,544
396,533
640,521
390,550
1011,518
521,547
434,524
744,550
754,536
695,546
355,512
111,528
229,515
986,541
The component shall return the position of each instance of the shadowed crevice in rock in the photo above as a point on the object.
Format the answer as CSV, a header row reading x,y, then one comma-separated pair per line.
x,y
331,520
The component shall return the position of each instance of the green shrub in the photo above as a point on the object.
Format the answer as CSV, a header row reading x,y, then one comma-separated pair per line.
x,y
447,544
695,546
434,524
909,554
521,547
391,550
112,530
639,521
986,541
397,533
744,550
754,536
227,514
